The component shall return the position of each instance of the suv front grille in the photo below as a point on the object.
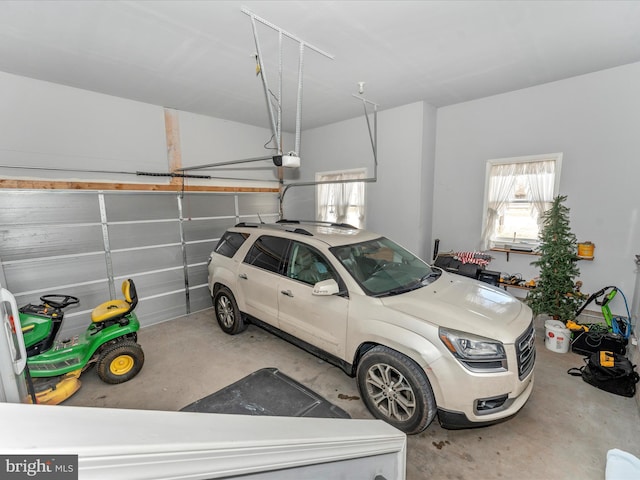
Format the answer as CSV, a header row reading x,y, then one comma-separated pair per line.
x,y
526,351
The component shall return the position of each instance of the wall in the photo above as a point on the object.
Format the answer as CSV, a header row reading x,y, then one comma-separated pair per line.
x,y
425,219
48,125
399,203
593,119
206,140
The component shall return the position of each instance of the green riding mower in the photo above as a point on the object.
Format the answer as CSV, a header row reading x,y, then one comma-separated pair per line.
x,y
110,343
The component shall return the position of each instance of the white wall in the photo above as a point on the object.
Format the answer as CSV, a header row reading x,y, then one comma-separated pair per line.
x,y
44,124
49,125
425,220
206,140
593,119
398,204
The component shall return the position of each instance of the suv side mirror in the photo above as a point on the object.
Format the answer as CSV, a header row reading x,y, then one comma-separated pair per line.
x,y
326,287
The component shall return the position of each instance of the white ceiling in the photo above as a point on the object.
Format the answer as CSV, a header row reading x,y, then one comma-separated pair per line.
x,y
197,56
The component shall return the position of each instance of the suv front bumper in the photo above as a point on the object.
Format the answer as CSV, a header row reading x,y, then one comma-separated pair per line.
x,y
454,420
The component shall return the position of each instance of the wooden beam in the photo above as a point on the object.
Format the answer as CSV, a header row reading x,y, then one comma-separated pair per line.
x,y
174,150
64,185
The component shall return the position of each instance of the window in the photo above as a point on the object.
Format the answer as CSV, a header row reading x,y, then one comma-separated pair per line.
x,y
382,267
341,202
517,191
230,243
267,253
308,265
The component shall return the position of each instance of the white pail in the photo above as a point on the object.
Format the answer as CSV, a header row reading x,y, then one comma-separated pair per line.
x,y
557,337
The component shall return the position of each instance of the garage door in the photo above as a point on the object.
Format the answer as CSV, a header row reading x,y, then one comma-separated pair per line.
x,y
86,243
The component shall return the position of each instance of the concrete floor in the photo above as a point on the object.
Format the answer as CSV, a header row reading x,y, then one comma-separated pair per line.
x,y
564,431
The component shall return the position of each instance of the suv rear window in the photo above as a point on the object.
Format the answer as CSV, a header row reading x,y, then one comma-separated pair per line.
x,y
230,243
267,252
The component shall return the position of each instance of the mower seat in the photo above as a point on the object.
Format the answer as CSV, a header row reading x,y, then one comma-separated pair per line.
x,y
115,309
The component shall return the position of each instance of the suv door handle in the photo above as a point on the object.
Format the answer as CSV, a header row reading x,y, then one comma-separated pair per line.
x,y
287,293
243,276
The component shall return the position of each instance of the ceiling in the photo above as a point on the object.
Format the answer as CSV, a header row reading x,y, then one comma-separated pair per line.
x,y
198,56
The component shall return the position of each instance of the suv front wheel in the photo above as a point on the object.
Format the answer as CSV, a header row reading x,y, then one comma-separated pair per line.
x,y
395,389
227,313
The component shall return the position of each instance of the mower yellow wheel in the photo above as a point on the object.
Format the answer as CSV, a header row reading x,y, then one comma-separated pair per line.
x,y
120,362
121,365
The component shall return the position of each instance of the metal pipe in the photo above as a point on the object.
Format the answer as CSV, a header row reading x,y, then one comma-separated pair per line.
x,y
171,174
374,137
221,164
277,129
208,177
364,100
374,144
280,92
264,82
309,184
183,249
299,99
107,248
56,169
280,170
284,32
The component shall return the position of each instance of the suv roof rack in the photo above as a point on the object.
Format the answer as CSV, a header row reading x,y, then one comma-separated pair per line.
x,y
300,231
319,222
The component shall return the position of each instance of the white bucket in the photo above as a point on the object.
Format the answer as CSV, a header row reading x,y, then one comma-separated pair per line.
x,y
557,337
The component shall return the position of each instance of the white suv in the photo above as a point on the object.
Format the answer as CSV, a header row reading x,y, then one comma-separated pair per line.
x,y
419,340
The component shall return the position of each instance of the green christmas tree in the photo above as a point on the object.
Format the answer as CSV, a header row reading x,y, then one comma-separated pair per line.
x,y
555,293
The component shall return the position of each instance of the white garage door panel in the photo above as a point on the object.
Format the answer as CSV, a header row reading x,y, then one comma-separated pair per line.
x,y
65,242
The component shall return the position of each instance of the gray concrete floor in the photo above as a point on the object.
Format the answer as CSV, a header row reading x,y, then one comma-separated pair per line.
x,y
564,431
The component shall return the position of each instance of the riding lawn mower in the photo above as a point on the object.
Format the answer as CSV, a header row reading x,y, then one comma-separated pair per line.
x,y
109,342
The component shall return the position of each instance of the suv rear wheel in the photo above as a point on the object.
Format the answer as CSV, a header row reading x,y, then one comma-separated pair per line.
x,y
395,389
227,313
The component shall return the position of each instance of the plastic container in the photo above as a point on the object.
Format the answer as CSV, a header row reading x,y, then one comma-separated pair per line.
x,y
557,337
586,249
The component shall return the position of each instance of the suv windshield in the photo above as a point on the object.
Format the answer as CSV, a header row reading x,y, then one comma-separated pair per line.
x,y
382,267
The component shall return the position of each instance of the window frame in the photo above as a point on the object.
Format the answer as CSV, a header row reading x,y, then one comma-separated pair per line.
x,y
556,157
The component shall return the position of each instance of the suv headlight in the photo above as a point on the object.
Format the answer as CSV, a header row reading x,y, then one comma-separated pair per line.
x,y
478,354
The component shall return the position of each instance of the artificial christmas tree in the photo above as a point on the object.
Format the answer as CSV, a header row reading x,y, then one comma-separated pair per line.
x,y
556,293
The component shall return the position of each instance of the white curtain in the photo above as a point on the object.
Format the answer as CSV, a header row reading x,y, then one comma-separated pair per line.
x,y
341,202
540,177
502,177
325,201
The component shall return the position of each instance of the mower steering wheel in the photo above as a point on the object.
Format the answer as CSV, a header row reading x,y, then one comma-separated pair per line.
x,y
59,301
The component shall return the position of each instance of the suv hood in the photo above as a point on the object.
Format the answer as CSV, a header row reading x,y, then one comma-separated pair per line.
x,y
467,305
